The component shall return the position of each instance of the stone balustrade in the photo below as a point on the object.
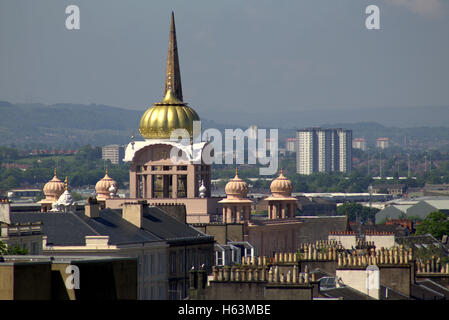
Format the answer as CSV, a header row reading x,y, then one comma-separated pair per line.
x,y
262,273
433,266
394,256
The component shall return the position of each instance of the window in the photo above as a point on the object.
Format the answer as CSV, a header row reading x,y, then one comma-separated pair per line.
x,y
207,258
141,186
219,258
181,261
194,258
200,257
182,185
181,290
34,248
161,293
139,267
173,291
145,267
152,269
172,262
161,262
188,260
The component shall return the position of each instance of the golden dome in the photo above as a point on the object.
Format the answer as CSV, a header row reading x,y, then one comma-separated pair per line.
x,y
54,188
162,118
281,186
102,187
236,188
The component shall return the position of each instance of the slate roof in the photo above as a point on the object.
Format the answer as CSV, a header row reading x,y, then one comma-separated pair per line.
x,y
345,293
424,291
110,223
166,227
424,242
387,293
348,293
436,287
70,229
64,229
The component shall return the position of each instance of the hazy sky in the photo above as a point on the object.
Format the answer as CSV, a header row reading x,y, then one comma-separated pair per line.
x,y
256,55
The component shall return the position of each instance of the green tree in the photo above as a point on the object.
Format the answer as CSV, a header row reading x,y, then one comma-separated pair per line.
x,y
9,183
436,223
357,211
5,250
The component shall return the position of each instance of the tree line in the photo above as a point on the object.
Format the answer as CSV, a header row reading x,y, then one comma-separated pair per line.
x,y
82,169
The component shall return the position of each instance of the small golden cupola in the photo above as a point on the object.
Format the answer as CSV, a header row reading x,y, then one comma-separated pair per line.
x,y
281,186
281,204
53,189
171,113
102,187
236,188
236,205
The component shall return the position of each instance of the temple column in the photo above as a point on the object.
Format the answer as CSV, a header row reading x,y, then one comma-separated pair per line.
x,y
132,182
228,214
191,181
174,186
282,210
149,186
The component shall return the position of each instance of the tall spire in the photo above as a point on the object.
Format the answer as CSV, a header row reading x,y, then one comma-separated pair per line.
x,y
173,74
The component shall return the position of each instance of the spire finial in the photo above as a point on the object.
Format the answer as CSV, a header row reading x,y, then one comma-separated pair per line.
x,y
66,184
55,171
236,172
282,171
173,74
106,170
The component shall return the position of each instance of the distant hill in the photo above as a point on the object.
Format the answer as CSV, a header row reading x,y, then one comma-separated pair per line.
x,y
68,125
65,124
399,117
74,125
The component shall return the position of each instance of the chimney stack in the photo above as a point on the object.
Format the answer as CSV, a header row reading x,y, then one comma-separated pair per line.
x,y
133,212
